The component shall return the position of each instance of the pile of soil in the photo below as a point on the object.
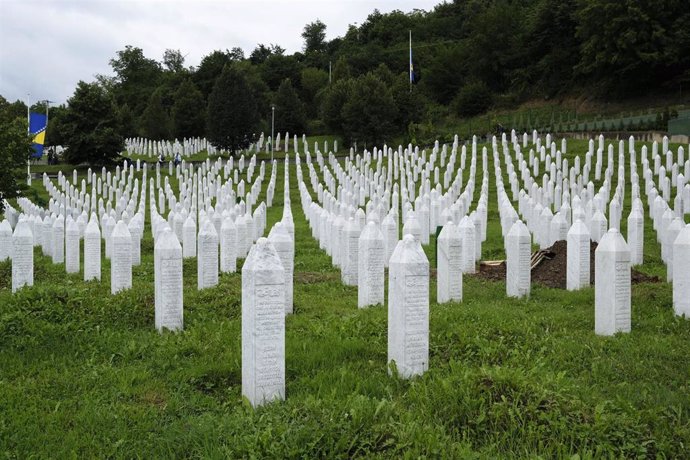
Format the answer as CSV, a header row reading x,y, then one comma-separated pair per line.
x,y
552,271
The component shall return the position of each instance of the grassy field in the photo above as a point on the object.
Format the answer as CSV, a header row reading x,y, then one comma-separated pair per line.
x,y
85,374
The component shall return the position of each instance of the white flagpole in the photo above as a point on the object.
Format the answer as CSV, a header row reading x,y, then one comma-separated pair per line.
x,y
28,131
410,70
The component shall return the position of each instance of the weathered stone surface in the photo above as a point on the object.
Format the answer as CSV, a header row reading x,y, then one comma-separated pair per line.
x,y
370,272
283,244
612,310
207,259
169,301
92,250
263,325
519,253
22,256
408,308
578,258
121,258
449,285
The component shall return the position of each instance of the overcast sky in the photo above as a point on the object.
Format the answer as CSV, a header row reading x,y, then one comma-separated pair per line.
x,y
47,46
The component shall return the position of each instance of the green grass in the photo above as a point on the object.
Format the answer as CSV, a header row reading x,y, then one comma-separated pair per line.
x,y
85,374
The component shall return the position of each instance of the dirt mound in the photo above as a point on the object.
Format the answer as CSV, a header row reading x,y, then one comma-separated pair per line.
x,y
552,270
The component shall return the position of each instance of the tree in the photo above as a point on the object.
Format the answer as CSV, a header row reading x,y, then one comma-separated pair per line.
x,y
369,111
262,52
92,130
341,70
188,113
333,99
173,60
277,68
290,115
410,106
236,54
472,99
232,115
155,122
15,149
56,126
312,80
314,35
136,78
209,70
627,45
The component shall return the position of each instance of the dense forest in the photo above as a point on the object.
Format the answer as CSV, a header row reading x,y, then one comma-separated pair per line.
x,y
469,56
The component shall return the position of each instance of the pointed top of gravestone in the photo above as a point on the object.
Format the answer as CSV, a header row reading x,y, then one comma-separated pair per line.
x,y
683,236
208,229
23,229
579,228
612,241
167,241
449,231
72,226
262,257
408,250
279,232
92,228
5,227
371,231
121,230
519,229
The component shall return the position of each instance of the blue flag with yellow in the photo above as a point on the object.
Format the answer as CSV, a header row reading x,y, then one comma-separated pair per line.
x,y
38,122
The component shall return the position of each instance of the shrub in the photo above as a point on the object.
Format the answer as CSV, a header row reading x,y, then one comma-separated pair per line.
x,y
472,99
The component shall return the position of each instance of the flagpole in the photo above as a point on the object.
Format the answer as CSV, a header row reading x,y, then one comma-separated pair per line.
x,y
410,70
28,132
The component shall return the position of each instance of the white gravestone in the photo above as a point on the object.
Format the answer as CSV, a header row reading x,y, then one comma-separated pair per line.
x,y
207,259
279,236
136,233
120,258
449,273
72,247
612,309
92,251
636,235
350,242
370,282
59,240
263,325
468,232
578,257
681,270
5,240
519,254
408,308
228,246
390,237
169,306
189,238
22,256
